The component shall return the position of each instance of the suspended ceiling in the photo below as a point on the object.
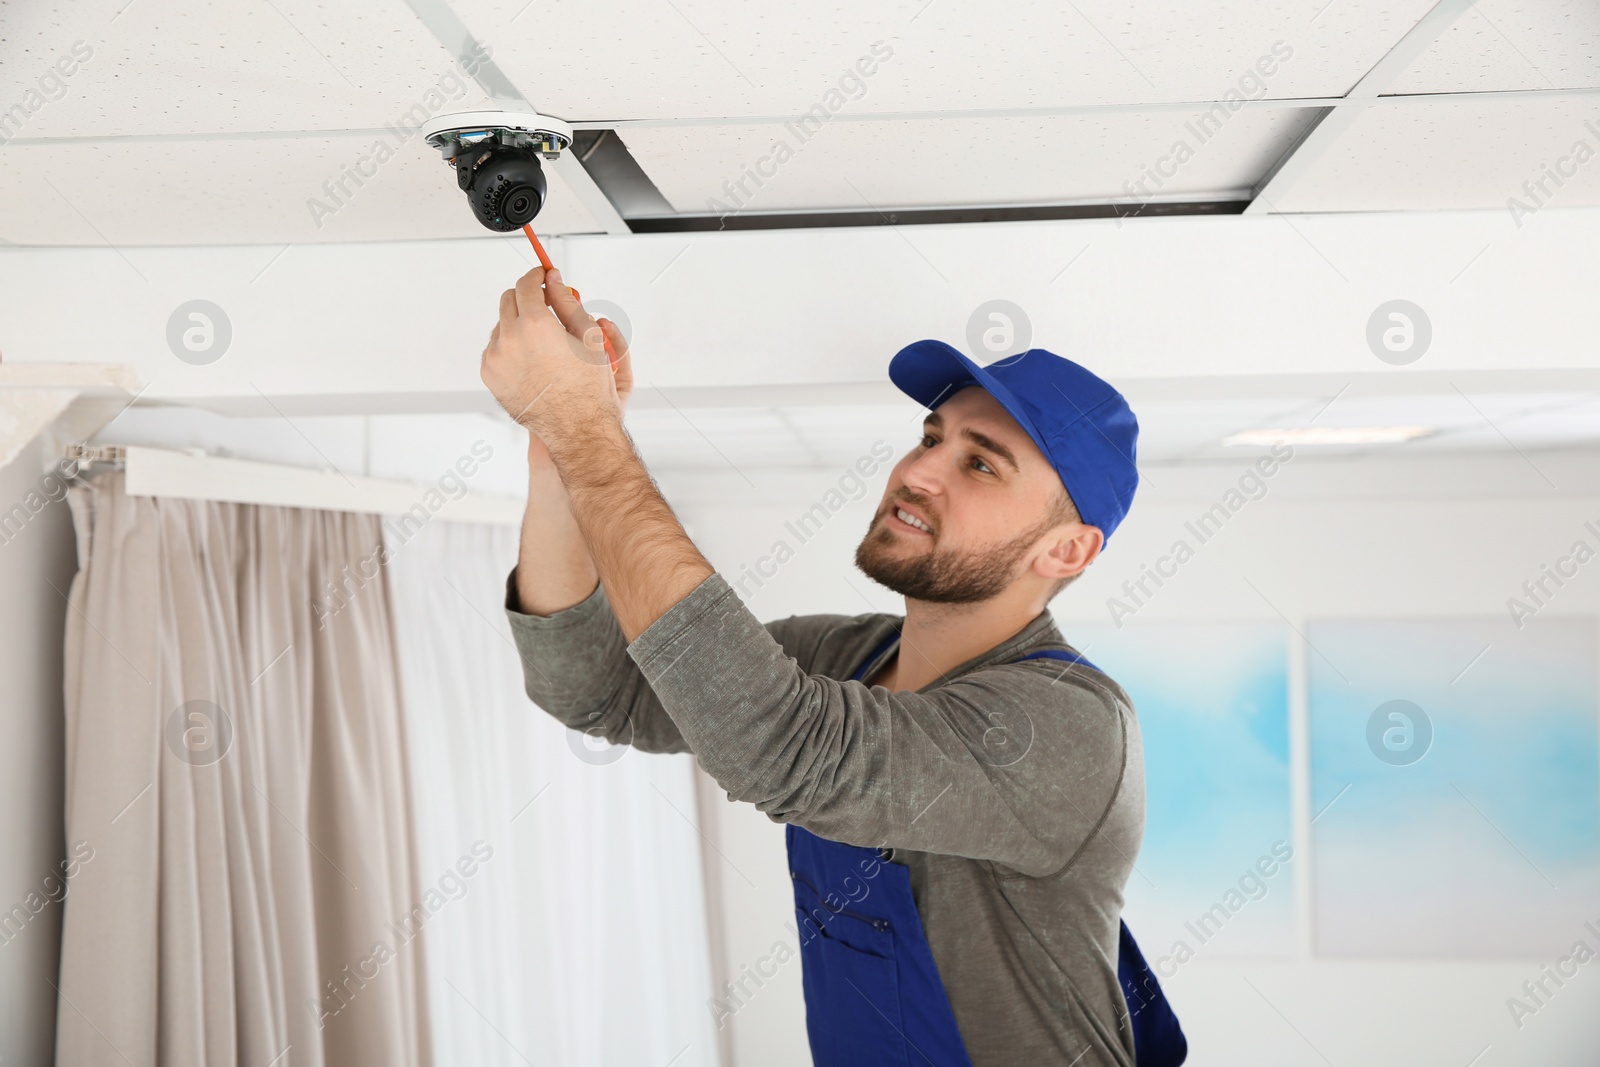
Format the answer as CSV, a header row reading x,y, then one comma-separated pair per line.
x,y
184,123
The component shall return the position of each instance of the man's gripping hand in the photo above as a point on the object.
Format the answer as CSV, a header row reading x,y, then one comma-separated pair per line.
x,y
547,365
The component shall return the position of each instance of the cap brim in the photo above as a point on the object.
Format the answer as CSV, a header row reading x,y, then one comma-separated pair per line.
x,y
931,372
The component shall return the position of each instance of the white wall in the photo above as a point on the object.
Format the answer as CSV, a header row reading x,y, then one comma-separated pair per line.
x,y
31,844
400,326
1440,537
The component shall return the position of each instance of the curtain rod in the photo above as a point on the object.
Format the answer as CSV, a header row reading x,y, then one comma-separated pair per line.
x,y
196,476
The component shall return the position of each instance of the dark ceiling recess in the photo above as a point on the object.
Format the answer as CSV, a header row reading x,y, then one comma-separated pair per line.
x,y
927,216
618,174
645,210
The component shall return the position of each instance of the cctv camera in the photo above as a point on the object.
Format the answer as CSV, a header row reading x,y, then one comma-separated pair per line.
x,y
496,155
505,186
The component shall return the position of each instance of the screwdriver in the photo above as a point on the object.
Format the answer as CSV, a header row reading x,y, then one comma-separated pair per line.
x,y
544,261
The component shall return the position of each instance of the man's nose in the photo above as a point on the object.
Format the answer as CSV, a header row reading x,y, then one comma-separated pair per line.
x,y
926,474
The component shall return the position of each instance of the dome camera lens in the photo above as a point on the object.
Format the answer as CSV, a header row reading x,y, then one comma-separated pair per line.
x,y
507,188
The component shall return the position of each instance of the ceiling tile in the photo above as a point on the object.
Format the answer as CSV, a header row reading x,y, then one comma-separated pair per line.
x,y
260,191
167,67
701,58
1512,44
1457,154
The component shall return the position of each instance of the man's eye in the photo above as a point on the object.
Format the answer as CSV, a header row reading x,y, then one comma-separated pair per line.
x,y
928,440
978,460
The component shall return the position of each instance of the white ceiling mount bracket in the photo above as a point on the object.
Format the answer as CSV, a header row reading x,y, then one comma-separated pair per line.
x,y
1314,143
463,131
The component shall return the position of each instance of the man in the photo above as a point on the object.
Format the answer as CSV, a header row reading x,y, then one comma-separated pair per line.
x,y
963,817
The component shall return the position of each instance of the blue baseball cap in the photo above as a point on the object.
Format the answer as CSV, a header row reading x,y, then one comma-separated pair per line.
x,y
1080,422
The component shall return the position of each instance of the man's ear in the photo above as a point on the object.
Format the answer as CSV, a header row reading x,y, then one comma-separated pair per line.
x,y
1071,549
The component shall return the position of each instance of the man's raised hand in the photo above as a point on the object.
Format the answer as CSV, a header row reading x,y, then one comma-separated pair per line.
x,y
546,361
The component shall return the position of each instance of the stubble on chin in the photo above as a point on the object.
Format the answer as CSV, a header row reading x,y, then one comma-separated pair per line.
x,y
939,576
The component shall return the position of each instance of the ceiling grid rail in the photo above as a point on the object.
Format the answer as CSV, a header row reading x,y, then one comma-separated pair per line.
x,y
1336,119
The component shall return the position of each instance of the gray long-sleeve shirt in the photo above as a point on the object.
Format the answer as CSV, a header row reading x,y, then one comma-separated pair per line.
x,y
1013,792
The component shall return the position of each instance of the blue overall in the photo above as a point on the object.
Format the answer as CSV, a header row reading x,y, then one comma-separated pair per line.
x,y
873,992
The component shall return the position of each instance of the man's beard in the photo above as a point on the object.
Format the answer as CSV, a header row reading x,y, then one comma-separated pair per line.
x,y
942,577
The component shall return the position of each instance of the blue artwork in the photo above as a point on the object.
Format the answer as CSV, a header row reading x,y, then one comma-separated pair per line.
x,y
1455,783
1215,876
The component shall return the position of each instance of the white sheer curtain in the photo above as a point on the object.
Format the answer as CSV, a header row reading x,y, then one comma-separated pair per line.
x,y
581,939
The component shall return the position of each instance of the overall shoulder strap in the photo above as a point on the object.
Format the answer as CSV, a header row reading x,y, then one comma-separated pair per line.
x,y
873,656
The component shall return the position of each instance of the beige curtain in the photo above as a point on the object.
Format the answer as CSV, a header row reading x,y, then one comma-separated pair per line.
x,y
237,817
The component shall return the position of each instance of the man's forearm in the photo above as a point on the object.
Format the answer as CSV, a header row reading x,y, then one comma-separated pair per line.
x,y
554,568
640,550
